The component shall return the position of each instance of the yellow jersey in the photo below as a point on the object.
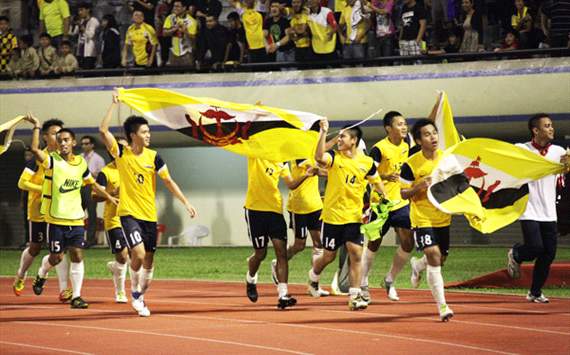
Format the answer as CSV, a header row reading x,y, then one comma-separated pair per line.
x,y
422,212
323,37
139,38
306,198
137,174
346,185
361,27
180,44
71,186
33,174
390,158
109,178
53,13
299,20
262,185
253,25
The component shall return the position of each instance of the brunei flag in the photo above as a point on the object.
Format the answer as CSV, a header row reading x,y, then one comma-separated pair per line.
x,y
7,132
486,181
443,119
255,131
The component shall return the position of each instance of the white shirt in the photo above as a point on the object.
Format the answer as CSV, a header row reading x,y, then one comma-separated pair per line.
x,y
541,205
86,46
94,162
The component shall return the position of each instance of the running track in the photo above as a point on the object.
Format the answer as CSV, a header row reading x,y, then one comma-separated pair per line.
x,y
216,317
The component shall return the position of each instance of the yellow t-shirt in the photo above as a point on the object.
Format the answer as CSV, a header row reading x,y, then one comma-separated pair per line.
x,y
139,38
390,158
346,19
262,185
306,198
137,174
53,14
180,44
298,20
109,178
253,25
320,31
34,173
422,212
346,185
86,178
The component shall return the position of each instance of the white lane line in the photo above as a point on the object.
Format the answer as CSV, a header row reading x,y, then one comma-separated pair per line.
x,y
207,340
45,348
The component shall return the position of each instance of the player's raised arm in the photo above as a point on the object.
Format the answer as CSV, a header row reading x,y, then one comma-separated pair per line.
x,y
106,135
35,148
321,156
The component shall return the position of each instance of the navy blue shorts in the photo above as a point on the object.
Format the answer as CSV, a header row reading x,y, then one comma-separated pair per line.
x,y
37,231
264,225
60,238
138,231
116,240
399,218
427,237
333,236
301,224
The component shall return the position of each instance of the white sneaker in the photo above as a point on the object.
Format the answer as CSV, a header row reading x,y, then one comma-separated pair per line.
x,y
323,293
513,268
416,276
365,294
445,313
274,271
540,299
141,308
391,291
121,297
356,303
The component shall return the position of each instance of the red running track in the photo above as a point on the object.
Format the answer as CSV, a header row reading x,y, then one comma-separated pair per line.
x,y
216,317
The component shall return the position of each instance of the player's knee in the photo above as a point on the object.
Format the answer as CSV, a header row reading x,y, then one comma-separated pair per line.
x,y
260,254
55,259
121,258
34,250
373,246
407,245
328,256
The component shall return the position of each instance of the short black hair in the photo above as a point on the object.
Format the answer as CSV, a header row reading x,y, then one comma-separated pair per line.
x,y
45,35
233,16
355,132
417,128
90,138
65,43
111,22
184,3
64,130
389,117
273,2
52,122
27,39
132,124
85,5
534,120
4,18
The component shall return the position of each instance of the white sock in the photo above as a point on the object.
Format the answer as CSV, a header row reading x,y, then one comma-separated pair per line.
x,y
77,272
317,252
45,267
250,279
367,261
120,276
400,259
435,283
135,280
145,277
354,291
314,277
62,270
25,261
282,289
421,264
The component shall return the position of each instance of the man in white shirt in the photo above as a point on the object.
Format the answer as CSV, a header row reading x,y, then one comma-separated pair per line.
x,y
538,222
86,30
95,163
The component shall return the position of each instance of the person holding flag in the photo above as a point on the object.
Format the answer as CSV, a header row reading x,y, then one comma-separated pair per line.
x,y
538,222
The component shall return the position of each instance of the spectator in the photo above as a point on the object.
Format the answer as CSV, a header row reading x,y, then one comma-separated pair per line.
x,y
140,37
279,48
86,31
299,31
206,8
253,25
236,39
8,43
472,26
47,54
183,29
385,30
163,9
54,19
510,43
556,22
216,41
323,28
521,22
356,25
146,7
25,61
110,42
66,62
413,28
451,45
94,163
439,20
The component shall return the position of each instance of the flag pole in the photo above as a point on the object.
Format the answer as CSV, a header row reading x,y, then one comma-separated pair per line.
x,y
358,123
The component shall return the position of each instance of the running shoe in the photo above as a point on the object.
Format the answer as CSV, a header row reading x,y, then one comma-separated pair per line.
x,y
251,290
513,268
391,291
18,286
286,301
121,297
38,285
65,295
139,306
537,299
79,303
356,303
445,313
313,289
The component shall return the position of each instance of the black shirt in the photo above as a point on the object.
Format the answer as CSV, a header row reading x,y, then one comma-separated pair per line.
x,y
277,31
411,17
236,36
148,14
215,40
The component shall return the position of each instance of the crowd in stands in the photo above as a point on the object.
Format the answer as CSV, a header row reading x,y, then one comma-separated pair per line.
x,y
192,33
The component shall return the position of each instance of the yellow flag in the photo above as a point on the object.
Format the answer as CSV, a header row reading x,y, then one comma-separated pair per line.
x,y
7,132
486,181
256,131
448,135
